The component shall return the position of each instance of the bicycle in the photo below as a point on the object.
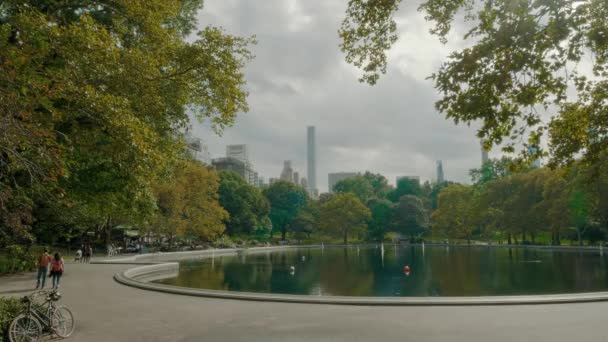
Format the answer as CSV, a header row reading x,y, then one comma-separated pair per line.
x,y
36,319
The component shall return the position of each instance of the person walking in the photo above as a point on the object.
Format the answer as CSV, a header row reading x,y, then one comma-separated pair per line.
x,y
78,256
89,253
57,268
43,264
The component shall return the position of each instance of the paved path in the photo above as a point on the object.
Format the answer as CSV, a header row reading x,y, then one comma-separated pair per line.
x,y
108,311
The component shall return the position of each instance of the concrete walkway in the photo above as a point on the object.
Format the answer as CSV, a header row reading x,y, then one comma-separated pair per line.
x,y
108,311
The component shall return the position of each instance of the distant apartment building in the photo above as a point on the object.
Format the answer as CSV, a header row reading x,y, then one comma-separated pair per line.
x,y
334,178
287,173
238,152
235,165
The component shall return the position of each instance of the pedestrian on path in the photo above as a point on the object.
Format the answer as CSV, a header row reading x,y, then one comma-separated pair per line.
x,y
78,257
43,264
89,253
57,267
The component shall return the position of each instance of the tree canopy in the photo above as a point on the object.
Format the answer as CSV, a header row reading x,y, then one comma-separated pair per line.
x,y
344,215
524,61
286,199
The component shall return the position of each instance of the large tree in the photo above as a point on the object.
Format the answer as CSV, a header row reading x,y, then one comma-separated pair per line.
x,y
523,62
454,217
411,217
405,186
247,206
286,199
94,99
358,185
344,215
188,203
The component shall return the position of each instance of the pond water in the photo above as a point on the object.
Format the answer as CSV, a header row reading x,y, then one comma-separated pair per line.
x,y
379,271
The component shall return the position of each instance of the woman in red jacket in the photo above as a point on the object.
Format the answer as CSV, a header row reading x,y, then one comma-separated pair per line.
x,y
56,270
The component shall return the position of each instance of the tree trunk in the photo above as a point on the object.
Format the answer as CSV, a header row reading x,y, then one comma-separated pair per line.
x,y
578,233
283,233
515,238
345,237
509,238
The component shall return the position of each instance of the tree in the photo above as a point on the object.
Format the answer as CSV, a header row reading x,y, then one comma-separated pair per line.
x,y
188,203
379,184
381,222
358,185
405,186
522,58
454,217
94,99
286,199
410,216
246,205
344,215
491,170
306,221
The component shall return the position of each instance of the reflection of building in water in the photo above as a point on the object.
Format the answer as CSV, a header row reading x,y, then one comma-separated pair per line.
x,y
334,178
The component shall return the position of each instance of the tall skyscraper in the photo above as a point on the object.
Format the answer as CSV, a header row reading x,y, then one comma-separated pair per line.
x,y
237,152
440,177
311,160
334,178
287,173
484,153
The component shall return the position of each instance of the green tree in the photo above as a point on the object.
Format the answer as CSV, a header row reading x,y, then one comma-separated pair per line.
x,y
94,99
344,215
381,222
286,199
188,203
379,184
306,221
520,57
491,170
405,186
454,217
358,185
411,218
246,205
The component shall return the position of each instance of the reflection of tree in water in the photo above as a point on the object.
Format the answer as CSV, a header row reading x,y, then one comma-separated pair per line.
x,y
344,273
198,274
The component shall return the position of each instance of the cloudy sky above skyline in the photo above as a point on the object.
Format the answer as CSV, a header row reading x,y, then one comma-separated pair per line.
x,y
299,78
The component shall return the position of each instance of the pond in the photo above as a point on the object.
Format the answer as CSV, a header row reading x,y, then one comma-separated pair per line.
x,y
379,271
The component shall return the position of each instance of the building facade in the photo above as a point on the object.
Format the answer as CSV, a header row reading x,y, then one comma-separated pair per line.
x,y
238,152
235,165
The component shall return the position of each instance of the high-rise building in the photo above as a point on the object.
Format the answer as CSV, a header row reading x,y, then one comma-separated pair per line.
x,y
334,178
311,160
238,152
484,153
415,178
296,177
304,183
440,177
234,165
287,173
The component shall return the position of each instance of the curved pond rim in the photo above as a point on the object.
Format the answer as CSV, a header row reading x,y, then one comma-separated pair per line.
x,y
150,270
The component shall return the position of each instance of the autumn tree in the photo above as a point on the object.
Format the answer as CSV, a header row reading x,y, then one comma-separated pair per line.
x,y
188,203
344,215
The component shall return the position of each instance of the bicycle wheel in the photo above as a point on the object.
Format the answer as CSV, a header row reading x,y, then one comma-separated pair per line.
x,y
62,321
24,329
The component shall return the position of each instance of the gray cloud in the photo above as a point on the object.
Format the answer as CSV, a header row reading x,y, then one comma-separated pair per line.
x,y
299,78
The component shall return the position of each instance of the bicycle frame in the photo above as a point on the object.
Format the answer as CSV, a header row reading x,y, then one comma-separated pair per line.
x,y
45,318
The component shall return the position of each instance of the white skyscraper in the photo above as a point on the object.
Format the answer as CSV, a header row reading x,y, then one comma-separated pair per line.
x,y
311,160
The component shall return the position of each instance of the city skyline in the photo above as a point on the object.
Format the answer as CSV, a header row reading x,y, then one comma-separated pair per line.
x,y
391,128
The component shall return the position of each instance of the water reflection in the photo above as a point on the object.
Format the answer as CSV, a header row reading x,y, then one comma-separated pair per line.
x,y
434,271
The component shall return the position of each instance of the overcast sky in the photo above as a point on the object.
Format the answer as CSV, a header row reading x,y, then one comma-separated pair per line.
x,y
299,78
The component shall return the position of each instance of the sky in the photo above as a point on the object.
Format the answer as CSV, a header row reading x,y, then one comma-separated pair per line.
x,y
299,78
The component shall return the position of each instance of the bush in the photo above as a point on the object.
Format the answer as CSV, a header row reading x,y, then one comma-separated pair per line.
x,y
224,242
17,259
10,307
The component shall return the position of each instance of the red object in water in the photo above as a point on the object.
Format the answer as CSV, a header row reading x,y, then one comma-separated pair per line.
x,y
406,269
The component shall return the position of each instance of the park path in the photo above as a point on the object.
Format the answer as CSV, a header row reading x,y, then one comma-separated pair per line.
x,y
108,311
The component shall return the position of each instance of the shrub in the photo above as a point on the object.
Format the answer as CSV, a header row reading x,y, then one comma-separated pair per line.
x,y
10,307
17,259
224,242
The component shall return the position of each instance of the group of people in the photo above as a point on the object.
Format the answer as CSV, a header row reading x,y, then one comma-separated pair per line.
x,y
47,263
84,254
112,250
